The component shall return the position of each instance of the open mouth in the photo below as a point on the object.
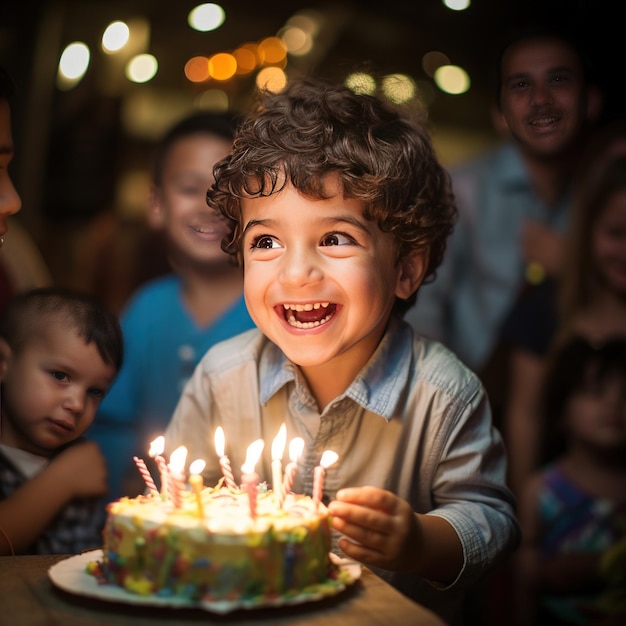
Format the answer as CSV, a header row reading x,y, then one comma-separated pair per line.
x,y
540,122
309,315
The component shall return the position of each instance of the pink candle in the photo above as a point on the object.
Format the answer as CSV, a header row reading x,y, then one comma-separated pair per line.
x,y
177,476
249,478
147,477
328,458
156,450
296,445
224,460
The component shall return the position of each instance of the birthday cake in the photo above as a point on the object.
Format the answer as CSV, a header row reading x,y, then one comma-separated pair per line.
x,y
210,547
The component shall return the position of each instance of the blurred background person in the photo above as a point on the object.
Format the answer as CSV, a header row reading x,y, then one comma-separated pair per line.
x,y
172,320
514,201
588,299
570,568
22,266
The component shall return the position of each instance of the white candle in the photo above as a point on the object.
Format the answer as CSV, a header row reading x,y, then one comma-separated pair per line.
x,y
249,478
296,446
328,458
195,482
224,460
278,449
177,476
156,450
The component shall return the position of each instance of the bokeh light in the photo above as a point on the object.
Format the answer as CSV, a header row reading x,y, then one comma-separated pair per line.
x,y
398,88
142,68
115,36
457,5
452,79
206,17
433,60
361,83
197,69
247,58
222,66
74,61
271,78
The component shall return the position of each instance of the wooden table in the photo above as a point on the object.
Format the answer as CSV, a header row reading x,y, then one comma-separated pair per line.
x,y
28,598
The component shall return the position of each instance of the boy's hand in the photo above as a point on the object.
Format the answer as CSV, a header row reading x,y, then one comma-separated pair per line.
x,y
380,529
82,469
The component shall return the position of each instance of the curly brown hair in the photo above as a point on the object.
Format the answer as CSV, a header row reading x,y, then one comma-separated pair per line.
x,y
383,156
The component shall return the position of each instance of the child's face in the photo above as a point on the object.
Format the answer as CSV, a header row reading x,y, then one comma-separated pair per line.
x,y
51,390
179,206
609,243
596,414
319,279
10,201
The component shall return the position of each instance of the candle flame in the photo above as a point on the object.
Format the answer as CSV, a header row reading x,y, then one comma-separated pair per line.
x,y
253,453
278,445
157,446
197,466
177,459
328,458
296,446
220,441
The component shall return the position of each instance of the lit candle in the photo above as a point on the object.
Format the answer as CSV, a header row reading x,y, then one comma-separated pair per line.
x,y
177,476
156,451
296,446
224,460
249,478
195,482
147,477
328,458
278,449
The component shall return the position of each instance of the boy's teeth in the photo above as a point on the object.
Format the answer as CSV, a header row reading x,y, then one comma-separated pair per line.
x,y
292,321
299,321
306,307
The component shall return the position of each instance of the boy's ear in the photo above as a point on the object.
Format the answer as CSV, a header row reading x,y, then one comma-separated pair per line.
x,y
155,216
412,272
5,357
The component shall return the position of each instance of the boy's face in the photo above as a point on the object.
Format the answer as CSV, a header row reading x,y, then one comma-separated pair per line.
x,y
51,389
319,279
10,201
194,230
543,97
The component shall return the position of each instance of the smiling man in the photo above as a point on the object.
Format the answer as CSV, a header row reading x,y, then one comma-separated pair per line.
x,y
514,201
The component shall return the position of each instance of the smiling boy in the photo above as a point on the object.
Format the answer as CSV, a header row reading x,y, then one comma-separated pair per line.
x,y
339,211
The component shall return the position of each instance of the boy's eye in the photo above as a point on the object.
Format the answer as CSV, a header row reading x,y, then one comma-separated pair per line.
x,y
337,239
59,375
264,241
97,393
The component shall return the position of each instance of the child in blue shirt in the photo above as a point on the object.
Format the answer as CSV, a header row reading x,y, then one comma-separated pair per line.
x,y
171,321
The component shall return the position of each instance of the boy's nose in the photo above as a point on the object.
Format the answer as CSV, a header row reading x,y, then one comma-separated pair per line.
x,y
299,268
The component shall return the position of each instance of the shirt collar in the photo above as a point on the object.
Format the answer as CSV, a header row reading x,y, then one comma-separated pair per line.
x,y
377,388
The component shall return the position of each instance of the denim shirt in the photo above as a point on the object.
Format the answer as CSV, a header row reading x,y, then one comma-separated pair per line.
x,y
415,421
483,270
